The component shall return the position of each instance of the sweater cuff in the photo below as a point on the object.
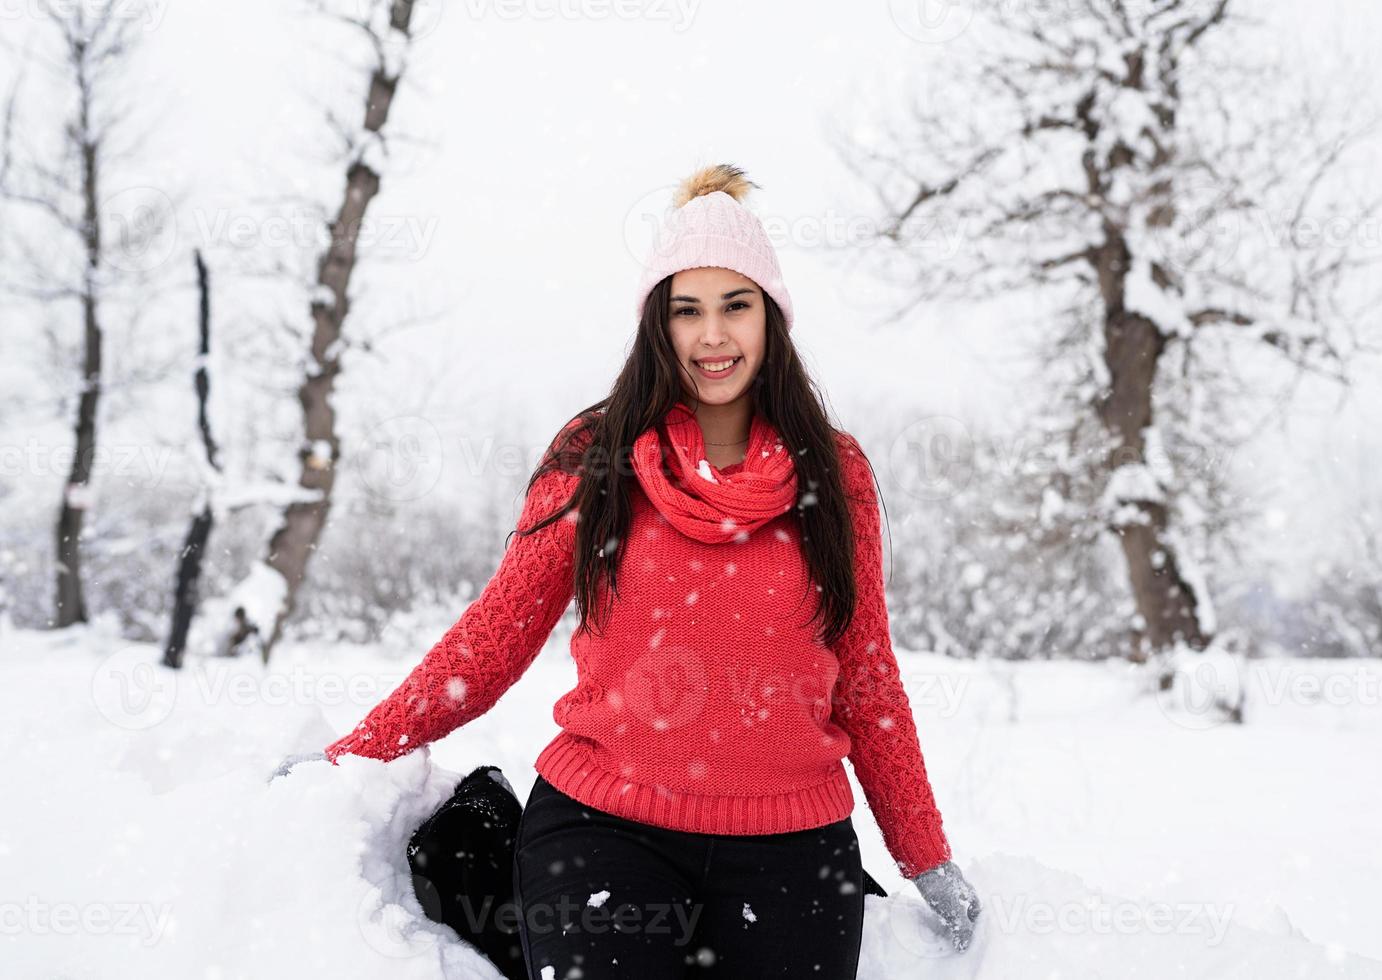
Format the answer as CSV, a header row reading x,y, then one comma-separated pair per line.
x,y
927,850
358,741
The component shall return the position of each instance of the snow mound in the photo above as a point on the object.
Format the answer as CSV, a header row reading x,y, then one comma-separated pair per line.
x,y
149,842
1038,921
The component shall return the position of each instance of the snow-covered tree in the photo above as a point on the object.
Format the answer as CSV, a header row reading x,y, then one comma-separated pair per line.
x,y
262,602
83,237
1131,165
204,516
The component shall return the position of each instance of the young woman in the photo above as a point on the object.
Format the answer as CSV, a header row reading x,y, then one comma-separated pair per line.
x,y
722,540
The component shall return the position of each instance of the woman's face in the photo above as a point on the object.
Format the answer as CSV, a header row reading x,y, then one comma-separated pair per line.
x,y
717,315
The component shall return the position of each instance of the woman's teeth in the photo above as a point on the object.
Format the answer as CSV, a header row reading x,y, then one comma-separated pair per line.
x,y
717,367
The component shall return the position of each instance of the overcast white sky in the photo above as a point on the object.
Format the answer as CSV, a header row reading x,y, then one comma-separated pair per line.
x,y
541,141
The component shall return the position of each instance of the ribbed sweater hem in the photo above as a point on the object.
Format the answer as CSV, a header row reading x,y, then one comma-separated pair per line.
x,y
568,763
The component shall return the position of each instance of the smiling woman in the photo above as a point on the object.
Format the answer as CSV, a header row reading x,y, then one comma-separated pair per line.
x,y
745,657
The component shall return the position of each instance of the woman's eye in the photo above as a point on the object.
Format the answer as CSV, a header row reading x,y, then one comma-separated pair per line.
x,y
692,309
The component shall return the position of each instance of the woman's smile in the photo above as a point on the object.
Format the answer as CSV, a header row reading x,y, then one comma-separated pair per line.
x,y
725,365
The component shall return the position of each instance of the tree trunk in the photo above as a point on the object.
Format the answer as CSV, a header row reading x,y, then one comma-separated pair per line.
x,y
292,545
194,546
76,495
185,596
1133,345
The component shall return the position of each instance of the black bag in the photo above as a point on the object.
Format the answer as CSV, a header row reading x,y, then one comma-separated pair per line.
x,y
462,863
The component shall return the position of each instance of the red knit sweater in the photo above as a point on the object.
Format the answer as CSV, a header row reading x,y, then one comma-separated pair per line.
x,y
705,704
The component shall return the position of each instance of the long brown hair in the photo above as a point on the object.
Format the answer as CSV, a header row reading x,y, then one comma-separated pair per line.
x,y
599,447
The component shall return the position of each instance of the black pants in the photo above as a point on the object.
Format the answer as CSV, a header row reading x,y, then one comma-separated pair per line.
x,y
601,896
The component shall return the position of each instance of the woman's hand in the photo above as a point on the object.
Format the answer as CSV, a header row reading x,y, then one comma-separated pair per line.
x,y
287,764
953,899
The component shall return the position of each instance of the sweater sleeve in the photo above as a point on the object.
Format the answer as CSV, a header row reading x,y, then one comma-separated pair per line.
x,y
869,701
488,649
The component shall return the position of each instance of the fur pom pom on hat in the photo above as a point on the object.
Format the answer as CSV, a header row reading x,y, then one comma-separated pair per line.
x,y
709,226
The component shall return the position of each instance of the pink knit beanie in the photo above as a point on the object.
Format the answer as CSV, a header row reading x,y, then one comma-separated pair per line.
x,y
708,226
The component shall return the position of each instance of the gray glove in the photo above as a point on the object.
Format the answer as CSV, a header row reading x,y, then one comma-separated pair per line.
x,y
287,764
953,899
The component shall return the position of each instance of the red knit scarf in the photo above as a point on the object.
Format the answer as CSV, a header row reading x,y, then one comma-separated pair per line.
x,y
693,499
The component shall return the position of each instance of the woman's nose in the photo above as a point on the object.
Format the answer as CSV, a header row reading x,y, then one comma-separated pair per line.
x,y
714,330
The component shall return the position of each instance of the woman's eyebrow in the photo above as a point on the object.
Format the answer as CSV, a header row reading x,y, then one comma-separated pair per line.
x,y
729,295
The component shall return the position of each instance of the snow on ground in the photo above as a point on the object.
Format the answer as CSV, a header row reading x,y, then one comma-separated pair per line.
x,y
1109,834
